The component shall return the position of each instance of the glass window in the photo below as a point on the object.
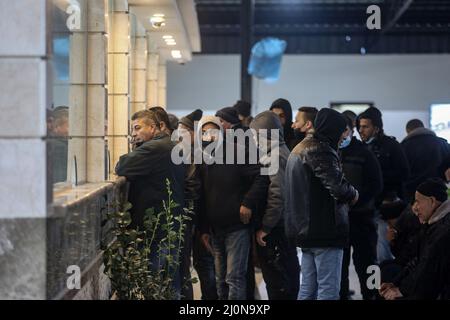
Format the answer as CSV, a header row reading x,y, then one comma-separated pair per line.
x,y
66,117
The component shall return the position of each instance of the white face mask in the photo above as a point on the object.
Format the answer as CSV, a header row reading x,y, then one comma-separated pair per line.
x,y
346,142
370,140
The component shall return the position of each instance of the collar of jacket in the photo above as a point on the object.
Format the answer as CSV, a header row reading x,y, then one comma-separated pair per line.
x,y
440,212
160,135
420,132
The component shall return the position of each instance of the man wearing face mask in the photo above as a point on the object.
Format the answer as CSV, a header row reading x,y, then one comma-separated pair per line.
x,y
427,276
362,170
304,122
230,196
395,169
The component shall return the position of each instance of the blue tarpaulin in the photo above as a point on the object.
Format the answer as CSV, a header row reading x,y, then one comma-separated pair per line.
x,y
265,60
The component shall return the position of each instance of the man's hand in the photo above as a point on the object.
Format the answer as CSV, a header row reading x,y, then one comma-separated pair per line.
x,y
391,234
205,241
246,214
392,294
259,238
355,199
385,287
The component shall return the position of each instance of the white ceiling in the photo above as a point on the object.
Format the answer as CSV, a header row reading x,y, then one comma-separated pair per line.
x,y
181,23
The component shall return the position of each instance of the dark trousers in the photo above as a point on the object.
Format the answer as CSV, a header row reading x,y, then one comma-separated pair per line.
x,y
204,265
279,266
187,292
363,240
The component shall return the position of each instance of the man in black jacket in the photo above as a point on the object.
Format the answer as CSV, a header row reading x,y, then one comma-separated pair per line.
x,y
231,194
317,198
427,276
395,169
147,168
427,155
362,170
277,257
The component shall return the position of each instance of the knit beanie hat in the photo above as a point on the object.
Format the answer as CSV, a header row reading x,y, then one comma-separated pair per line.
x,y
434,187
243,108
189,120
229,114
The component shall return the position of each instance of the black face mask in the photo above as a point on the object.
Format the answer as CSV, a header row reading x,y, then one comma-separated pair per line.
x,y
299,135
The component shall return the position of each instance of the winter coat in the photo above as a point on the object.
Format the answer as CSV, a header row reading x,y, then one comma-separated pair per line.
x,y
428,276
363,171
147,168
427,155
317,194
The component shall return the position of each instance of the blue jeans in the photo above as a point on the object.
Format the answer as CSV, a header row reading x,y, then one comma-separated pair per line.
x,y
383,247
231,251
321,273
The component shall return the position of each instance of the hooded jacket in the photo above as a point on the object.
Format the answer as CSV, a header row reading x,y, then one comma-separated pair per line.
x,y
427,155
317,194
274,208
224,188
427,277
288,132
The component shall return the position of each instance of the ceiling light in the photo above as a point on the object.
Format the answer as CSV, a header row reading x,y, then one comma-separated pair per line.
x,y
176,54
158,20
166,37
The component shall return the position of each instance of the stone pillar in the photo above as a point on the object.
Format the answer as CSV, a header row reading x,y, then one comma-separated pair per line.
x,y
24,191
97,93
152,73
138,68
118,81
162,84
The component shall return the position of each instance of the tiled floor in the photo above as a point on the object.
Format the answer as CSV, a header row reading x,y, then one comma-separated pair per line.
x,y
261,286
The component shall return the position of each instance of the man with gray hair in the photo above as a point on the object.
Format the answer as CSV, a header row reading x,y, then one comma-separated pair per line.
x,y
147,168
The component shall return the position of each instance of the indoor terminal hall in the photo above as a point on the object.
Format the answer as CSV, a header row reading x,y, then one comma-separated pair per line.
x,y
225,150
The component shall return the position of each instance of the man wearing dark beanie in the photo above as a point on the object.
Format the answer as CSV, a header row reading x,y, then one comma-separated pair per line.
x,y
188,121
395,170
244,110
229,118
427,276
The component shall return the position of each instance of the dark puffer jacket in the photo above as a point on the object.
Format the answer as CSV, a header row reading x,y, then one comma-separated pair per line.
x,y
317,194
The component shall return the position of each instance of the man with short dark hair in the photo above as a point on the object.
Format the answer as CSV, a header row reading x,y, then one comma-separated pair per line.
x,y
427,155
413,125
395,169
362,170
304,121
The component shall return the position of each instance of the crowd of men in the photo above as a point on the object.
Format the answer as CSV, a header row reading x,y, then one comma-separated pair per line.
x,y
332,194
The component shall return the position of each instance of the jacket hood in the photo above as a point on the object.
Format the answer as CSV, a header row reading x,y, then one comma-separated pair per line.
x,y
440,212
420,132
286,106
268,120
329,126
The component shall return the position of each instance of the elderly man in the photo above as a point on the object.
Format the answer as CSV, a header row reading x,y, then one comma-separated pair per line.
x,y
427,276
